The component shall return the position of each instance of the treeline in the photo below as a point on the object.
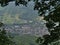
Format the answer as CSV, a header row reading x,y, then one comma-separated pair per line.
x,y
17,2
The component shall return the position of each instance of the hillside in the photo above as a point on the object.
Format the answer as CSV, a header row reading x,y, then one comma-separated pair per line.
x,y
25,40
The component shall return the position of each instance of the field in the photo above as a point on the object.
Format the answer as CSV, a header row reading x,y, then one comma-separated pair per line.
x,y
25,40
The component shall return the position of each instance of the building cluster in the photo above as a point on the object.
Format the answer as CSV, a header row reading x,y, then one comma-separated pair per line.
x,y
26,29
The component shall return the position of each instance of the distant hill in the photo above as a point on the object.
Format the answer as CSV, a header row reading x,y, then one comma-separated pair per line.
x,y
17,14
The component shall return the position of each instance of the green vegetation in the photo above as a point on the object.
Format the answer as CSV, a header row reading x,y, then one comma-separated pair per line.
x,y
25,40
5,39
52,21
8,19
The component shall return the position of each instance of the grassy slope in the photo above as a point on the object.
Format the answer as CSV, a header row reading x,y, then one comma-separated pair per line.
x,y
25,40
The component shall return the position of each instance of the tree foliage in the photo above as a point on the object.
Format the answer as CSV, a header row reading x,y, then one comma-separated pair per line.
x,y
5,39
52,20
